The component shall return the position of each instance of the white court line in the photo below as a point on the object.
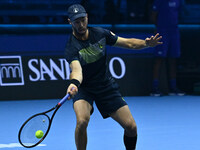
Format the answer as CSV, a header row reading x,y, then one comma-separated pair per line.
x,y
13,145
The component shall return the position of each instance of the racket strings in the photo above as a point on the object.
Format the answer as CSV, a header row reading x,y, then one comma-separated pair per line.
x,y
27,135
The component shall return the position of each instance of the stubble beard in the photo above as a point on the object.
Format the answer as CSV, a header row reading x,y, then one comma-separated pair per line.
x,y
78,34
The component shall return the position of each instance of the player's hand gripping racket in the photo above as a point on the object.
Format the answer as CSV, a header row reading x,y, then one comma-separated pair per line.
x,y
41,121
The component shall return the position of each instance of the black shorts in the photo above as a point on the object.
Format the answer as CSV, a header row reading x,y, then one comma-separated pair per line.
x,y
107,98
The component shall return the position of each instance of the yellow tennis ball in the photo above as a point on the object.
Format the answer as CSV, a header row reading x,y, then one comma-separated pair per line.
x,y
39,134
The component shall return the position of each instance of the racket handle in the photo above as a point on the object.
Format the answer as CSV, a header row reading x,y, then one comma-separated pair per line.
x,y
63,100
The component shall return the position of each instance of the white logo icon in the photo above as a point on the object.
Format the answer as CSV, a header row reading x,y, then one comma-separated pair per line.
x,y
76,10
11,72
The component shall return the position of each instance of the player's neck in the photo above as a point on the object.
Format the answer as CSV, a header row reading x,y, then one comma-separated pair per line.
x,y
81,36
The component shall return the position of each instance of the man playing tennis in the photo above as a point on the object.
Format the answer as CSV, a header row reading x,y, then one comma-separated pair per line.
x,y
90,80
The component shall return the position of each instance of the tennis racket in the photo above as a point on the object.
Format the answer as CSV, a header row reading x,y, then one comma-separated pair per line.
x,y
40,121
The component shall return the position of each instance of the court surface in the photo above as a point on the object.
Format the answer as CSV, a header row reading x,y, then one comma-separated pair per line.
x,y
164,123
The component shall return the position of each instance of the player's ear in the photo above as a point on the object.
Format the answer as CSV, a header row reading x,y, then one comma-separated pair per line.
x,y
69,21
87,16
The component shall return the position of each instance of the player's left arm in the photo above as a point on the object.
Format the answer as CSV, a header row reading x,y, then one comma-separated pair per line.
x,y
134,43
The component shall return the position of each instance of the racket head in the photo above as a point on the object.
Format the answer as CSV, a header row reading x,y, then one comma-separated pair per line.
x,y
26,135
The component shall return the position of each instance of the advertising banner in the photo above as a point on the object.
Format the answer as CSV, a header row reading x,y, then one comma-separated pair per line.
x,y
45,77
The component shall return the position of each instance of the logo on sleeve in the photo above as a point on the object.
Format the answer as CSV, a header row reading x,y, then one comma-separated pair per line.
x,y
100,46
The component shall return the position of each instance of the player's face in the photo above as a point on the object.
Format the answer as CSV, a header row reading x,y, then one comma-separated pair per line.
x,y
80,25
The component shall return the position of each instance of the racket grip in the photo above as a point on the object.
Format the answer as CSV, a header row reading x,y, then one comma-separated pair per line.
x,y
63,100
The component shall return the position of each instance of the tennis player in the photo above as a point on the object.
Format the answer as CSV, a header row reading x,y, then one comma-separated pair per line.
x,y
90,80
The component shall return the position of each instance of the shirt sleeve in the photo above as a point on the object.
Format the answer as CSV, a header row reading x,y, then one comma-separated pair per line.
x,y
111,38
71,52
70,55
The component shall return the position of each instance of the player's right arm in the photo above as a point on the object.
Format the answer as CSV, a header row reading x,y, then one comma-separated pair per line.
x,y
76,77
